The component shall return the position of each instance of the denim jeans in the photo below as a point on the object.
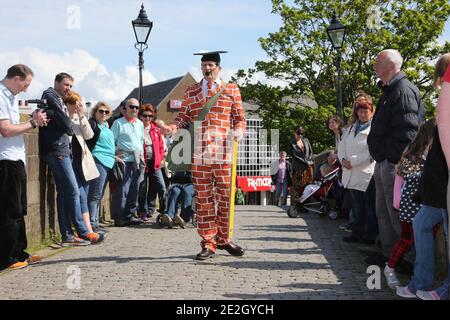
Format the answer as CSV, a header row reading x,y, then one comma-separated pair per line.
x,y
83,187
187,192
152,185
68,196
125,199
96,191
424,266
281,190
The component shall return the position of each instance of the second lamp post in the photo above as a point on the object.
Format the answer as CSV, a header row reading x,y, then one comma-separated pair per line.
x,y
336,34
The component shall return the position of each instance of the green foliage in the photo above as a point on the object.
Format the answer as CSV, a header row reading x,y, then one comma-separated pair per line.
x,y
301,54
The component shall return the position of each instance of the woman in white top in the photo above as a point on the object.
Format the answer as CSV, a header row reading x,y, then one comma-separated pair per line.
x,y
358,167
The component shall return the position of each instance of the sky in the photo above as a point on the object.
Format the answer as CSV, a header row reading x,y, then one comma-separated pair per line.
x,y
94,41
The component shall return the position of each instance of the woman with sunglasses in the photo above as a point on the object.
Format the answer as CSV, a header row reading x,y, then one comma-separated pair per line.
x,y
153,183
103,150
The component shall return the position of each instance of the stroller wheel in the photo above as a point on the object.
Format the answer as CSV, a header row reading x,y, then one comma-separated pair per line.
x,y
293,212
159,219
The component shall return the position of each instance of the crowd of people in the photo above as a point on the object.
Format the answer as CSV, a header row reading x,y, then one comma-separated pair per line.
x,y
80,153
83,152
388,158
393,166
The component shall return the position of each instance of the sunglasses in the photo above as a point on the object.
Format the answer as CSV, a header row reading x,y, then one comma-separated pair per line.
x,y
103,111
133,107
147,116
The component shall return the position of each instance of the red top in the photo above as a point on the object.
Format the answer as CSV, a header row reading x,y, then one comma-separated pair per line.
x,y
158,145
447,75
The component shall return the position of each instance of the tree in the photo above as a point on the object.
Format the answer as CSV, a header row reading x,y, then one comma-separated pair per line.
x,y
301,54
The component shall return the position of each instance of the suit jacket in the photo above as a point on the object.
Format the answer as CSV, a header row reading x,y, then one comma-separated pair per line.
x,y
82,131
226,114
288,172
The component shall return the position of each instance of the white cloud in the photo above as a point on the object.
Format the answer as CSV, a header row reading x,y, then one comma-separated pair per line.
x,y
92,79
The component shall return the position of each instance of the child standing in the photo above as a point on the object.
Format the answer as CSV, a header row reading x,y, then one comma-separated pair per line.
x,y
409,171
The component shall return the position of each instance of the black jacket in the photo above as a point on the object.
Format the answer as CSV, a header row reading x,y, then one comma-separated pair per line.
x,y
54,138
93,141
433,183
300,159
288,174
396,121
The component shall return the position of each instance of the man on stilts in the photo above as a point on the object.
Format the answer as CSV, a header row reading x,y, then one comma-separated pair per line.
x,y
213,153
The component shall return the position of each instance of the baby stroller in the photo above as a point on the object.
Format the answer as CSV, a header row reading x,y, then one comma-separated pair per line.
x,y
315,196
179,184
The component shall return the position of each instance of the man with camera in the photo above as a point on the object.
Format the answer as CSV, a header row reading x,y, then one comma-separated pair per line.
x,y
13,178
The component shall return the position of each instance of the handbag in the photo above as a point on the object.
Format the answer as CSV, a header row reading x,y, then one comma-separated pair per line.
x,y
181,135
117,172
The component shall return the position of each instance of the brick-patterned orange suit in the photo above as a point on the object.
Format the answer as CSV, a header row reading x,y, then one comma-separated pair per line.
x,y
211,161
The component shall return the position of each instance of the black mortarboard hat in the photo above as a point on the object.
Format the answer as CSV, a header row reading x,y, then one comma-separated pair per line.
x,y
210,56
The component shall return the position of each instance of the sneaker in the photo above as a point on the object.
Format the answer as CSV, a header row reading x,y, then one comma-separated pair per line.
x,y
34,259
135,222
144,217
391,277
428,295
167,220
333,215
179,221
75,242
404,292
95,238
18,265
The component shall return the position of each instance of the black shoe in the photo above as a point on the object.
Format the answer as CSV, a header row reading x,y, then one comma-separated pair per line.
x,y
405,267
232,249
121,223
367,241
378,260
135,222
350,239
205,254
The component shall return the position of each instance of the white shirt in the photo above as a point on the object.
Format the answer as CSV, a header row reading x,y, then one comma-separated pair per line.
x,y
216,83
12,148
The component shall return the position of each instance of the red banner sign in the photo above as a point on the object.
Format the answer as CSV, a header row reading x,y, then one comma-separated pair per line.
x,y
175,104
253,184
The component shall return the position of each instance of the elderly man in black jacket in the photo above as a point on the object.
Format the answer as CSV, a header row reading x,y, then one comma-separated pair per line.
x,y
395,123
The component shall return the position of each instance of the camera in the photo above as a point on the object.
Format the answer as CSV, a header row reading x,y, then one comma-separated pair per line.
x,y
40,103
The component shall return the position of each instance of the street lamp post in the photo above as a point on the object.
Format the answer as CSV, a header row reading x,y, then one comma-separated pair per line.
x,y
336,34
142,27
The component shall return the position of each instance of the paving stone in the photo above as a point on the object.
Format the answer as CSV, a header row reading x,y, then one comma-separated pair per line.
x,y
286,258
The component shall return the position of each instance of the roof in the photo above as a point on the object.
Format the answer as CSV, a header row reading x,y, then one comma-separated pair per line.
x,y
156,92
